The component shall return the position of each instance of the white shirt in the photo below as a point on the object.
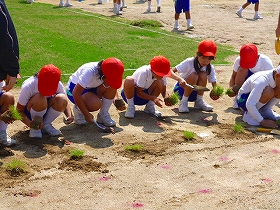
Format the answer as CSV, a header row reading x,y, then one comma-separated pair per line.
x,y
30,87
264,63
256,84
87,76
143,77
186,68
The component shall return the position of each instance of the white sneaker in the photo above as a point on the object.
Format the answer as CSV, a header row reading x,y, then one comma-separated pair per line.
x,y
6,140
105,119
257,17
183,107
150,109
269,114
99,1
79,117
201,104
148,10
176,25
130,111
51,130
249,119
61,4
190,26
235,104
118,12
35,133
68,4
239,14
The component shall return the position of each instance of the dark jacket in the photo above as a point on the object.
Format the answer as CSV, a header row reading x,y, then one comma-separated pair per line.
x,y
9,49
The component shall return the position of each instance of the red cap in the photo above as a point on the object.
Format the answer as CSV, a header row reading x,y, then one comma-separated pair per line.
x,y
48,79
160,65
113,69
207,48
248,56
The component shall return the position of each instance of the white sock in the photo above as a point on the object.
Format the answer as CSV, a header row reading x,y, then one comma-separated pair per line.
x,y
158,2
106,104
256,13
149,4
3,126
199,97
61,2
189,21
51,115
130,102
177,22
259,105
34,113
123,2
185,98
240,10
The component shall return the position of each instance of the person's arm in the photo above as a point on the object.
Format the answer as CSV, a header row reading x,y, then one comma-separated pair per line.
x,y
9,50
277,31
69,117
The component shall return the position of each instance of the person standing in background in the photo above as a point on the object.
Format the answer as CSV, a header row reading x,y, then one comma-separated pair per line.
x,y
256,2
183,5
9,68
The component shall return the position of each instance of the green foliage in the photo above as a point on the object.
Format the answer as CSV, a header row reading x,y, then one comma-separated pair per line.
x,y
68,38
174,98
189,135
14,113
238,128
135,147
16,167
76,154
229,91
146,23
218,90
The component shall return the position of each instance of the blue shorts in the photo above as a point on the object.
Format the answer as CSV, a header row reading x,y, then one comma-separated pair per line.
x,y
253,1
137,100
242,101
180,91
69,91
182,5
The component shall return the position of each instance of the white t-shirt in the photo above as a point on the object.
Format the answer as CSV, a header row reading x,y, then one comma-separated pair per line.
x,y
87,76
256,84
30,87
264,63
186,68
143,77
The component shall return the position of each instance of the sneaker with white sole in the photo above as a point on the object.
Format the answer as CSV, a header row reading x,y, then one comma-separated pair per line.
x,y
105,119
201,104
235,104
130,111
176,25
48,128
249,119
190,26
183,107
33,133
6,140
269,114
61,4
239,14
148,10
256,17
79,117
68,4
150,109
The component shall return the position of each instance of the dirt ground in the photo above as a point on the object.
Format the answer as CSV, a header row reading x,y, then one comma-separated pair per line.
x,y
218,169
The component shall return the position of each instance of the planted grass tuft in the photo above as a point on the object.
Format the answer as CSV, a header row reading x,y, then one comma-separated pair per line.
x,y
16,168
76,154
188,135
134,148
238,128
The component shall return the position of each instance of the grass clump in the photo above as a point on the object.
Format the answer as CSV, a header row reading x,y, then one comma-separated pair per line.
x,y
16,167
238,128
173,99
189,135
146,23
229,92
135,148
218,90
76,154
11,114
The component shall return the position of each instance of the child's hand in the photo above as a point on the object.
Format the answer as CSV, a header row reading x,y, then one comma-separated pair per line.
x,y
158,102
213,96
167,102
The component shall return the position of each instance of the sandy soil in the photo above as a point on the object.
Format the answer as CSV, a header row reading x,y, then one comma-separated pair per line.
x,y
219,169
